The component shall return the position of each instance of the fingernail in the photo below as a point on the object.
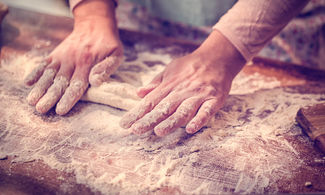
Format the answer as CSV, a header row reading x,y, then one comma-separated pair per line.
x,y
164,128
125,122
42,107
53,94
41,86
139,128
160,132
191,128
130,117
71,96
33,97
33,76
95,80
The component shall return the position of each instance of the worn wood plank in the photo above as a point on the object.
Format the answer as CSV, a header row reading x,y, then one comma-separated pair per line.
x,y
312,120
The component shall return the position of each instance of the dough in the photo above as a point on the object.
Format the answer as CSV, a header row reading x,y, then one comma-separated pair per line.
x,y
120,90
115,94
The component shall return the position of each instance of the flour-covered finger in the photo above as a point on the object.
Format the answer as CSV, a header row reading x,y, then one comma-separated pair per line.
x,y
162,111
56,90
36,73
71,96
183,115
102,71
143,91
206,111
53,94
135,113
77,87
144,107
41,86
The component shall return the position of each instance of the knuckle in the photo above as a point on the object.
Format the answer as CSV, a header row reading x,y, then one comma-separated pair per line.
x,y
203,89
210,91
86,58
144,107
164,108
207,111
183,112
114,47
210,108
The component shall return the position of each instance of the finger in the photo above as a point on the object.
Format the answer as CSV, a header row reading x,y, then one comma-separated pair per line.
x,y
145,106
162,111
66,70
71,95
184,113
206,111
56,90
78,86
143,91
135,113
42,84
101,71
52,95
37,72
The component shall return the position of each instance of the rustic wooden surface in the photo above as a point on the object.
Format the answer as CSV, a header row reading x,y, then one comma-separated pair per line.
x,y
312,120
21,29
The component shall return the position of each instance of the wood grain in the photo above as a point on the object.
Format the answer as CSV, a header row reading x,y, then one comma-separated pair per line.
x,y
312,121
97,151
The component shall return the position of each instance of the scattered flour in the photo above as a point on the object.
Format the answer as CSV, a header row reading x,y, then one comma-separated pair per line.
x,y
244,150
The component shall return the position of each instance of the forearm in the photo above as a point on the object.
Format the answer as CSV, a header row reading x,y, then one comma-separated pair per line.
x,y
250,24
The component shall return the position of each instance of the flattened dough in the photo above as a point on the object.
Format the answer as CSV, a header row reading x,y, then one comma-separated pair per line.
x,y
120,91
115,94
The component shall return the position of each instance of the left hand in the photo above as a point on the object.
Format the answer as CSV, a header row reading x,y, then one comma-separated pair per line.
x,y
190,90
89,54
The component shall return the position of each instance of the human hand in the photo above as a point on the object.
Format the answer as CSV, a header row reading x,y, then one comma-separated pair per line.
x,y
90,53
189,91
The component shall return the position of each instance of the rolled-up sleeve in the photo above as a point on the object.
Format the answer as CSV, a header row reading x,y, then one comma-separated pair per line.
x,y
74,3
250,24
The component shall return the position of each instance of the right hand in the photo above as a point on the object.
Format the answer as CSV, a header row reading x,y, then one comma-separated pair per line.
x,y
91,53
189,91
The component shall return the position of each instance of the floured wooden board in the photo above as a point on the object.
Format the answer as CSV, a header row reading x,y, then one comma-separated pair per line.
x,y
253,145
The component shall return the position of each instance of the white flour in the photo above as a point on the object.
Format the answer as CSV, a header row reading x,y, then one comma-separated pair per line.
x,y
243,151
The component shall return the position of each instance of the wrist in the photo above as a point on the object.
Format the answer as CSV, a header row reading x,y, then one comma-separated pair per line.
x,y
96,14
218,51
94,9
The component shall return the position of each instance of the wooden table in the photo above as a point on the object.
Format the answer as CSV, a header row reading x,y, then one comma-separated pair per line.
x,y
48,154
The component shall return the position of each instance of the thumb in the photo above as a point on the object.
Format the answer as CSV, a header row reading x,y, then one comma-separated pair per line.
x,y
101,71
143,91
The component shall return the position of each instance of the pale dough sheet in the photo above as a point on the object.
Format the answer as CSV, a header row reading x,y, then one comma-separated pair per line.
x,y
120,91
115,94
